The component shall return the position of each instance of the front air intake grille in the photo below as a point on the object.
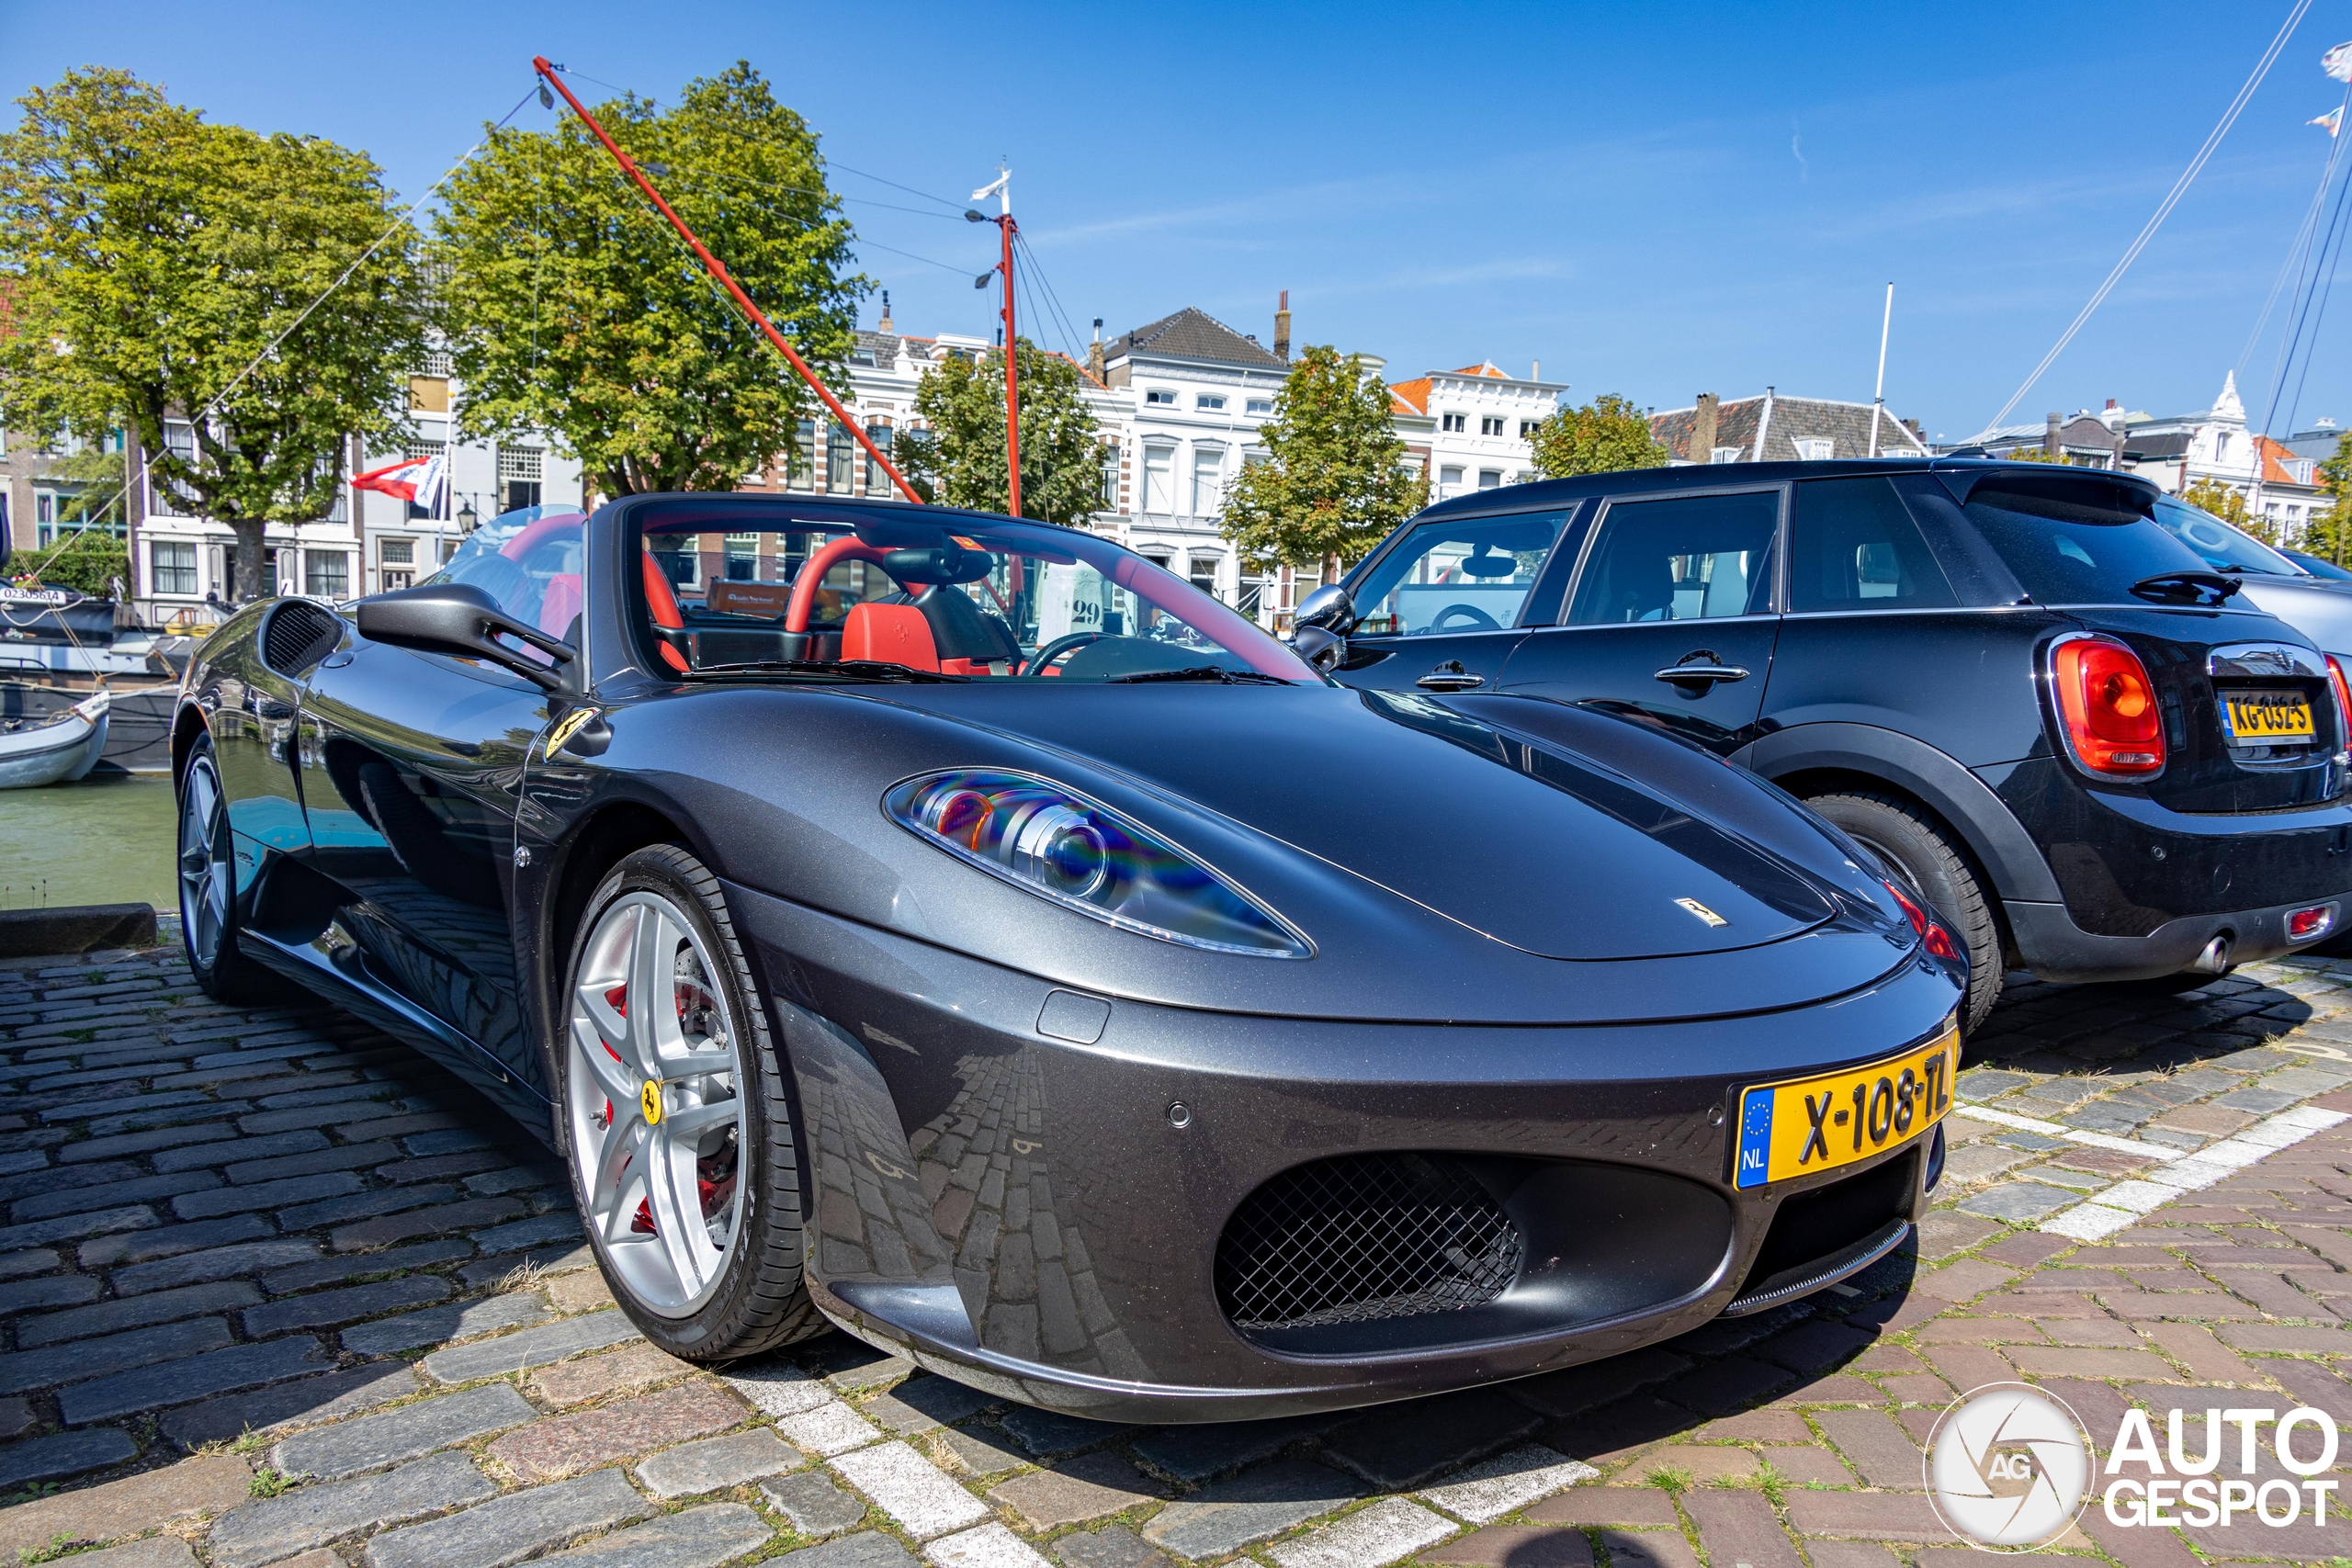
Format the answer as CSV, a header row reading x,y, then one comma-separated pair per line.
x,y
297,635
1365,1237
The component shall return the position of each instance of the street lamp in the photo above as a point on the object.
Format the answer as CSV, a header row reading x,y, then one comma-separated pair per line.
x,y
467,518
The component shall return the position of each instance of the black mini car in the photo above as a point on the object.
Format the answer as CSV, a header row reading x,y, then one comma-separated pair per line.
x,y
2056,718
966,931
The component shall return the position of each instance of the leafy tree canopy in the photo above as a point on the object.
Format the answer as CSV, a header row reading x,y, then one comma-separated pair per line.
x,y
959,459
1334,481
152,259
2230,506
2331,531
1602,436
574,308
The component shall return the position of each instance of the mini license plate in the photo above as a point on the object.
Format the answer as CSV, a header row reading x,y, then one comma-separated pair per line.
x,y
2268,718
1819,1124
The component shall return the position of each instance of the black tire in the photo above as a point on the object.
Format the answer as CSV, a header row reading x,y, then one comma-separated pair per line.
x,y
208,898
761,1300
1921,850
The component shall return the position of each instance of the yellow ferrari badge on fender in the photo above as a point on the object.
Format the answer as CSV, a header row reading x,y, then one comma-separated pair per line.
x,y
649,1097
566,728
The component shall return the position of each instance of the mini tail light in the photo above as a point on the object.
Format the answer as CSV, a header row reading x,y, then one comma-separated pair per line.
x,y
2108,707
2343,703
1933,937
2309,925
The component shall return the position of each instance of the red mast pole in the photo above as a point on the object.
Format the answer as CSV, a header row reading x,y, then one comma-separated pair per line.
x,y
1011,379
727,281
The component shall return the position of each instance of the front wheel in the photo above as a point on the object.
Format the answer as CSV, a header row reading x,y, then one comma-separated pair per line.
x,y
209,890
675,1123
1920,851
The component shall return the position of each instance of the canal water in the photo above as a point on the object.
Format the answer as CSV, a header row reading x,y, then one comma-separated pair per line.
x,y
107,840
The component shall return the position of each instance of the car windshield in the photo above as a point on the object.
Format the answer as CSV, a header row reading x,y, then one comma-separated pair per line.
x,y
2076,541
891,594
2224,547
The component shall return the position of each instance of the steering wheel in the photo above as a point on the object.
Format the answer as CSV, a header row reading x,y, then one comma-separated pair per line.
x,y
1479,620
1055,649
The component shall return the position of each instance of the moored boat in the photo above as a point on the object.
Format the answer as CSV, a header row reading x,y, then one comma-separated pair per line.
x,y
59,749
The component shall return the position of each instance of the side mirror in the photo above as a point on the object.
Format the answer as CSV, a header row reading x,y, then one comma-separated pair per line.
x,y
460,620
1320,627
1328,609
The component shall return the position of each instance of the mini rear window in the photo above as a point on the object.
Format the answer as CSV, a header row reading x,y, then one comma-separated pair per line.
x,y
2074,544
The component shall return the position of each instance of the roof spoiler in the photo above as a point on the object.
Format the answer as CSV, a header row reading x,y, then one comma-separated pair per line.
x,y
2089,487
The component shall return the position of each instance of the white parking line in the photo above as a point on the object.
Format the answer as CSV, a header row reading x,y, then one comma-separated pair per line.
x,y
2124,1202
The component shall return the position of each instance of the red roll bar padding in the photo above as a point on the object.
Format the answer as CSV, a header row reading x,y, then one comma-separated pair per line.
x,y
804,586
523,543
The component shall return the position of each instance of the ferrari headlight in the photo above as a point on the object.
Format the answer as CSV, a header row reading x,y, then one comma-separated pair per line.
x,y
1059,845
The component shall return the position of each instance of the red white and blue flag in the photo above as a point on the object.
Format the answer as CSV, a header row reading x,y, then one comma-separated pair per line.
x,y
417,480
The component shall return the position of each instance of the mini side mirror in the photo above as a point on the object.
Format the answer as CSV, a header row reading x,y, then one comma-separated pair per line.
x,y
461,621
1328,609
1320,630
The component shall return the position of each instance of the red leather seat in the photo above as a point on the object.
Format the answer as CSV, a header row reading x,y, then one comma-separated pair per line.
x,y
664,604
896,634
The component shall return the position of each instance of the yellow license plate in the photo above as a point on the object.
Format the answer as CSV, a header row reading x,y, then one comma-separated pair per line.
x,y
2266,717
1819,1124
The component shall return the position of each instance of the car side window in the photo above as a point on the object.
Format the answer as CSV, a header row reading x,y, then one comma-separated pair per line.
x,y
1852,546
1459,574
1687,557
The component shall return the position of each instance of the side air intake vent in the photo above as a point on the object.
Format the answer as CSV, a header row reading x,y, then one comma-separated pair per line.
x,y
297,635
1365,1237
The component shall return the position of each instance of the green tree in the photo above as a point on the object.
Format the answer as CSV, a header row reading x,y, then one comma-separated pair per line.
x,y
1602,436
2033,455
2331,531
161,266
85,559
960,459
573,307
2230,506
1334,481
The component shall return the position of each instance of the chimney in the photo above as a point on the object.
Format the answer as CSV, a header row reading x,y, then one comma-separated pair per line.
x,y
1703,429
1535,370
2111,403
1094,353
2049,435
886,312
1282,329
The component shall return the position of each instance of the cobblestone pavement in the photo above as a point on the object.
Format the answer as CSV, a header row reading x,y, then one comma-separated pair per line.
x,y
276,1291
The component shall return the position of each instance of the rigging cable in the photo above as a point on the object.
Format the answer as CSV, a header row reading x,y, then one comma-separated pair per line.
x,y
2164,209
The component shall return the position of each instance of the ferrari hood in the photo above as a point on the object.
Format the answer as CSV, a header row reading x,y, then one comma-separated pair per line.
x,y
1530,843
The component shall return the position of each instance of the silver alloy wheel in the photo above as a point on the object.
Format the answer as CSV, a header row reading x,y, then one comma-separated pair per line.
x,y
656,1117
204,863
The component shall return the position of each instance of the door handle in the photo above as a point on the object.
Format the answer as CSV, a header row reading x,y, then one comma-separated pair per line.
x,y
1450,677
1704,677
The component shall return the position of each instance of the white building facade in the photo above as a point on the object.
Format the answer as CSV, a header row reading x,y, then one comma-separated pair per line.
x,y
2281,484
185,565
1473,428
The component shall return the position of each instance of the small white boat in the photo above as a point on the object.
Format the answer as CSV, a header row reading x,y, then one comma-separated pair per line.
x,y
57,749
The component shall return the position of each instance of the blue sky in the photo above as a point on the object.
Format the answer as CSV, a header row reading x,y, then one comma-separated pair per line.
x,y
1650,200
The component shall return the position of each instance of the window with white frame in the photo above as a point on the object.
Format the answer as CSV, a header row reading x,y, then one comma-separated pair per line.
x,y
1448,481
1159,396
1263,408
1726,454
1814,449
173,567
1490,425
1528,427
1453,423
1159,479
521,471
179,441
1110,457
396,552
326,574
1208,482
1209,402
1490,479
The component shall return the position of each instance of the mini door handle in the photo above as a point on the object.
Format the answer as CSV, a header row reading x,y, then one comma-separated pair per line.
x,y
1450,677
1702,674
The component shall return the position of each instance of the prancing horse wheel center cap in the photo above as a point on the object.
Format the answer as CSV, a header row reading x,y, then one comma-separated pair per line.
x,y
649,1097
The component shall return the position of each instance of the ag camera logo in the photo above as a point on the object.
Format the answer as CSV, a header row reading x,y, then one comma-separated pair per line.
x,y
2008,1468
